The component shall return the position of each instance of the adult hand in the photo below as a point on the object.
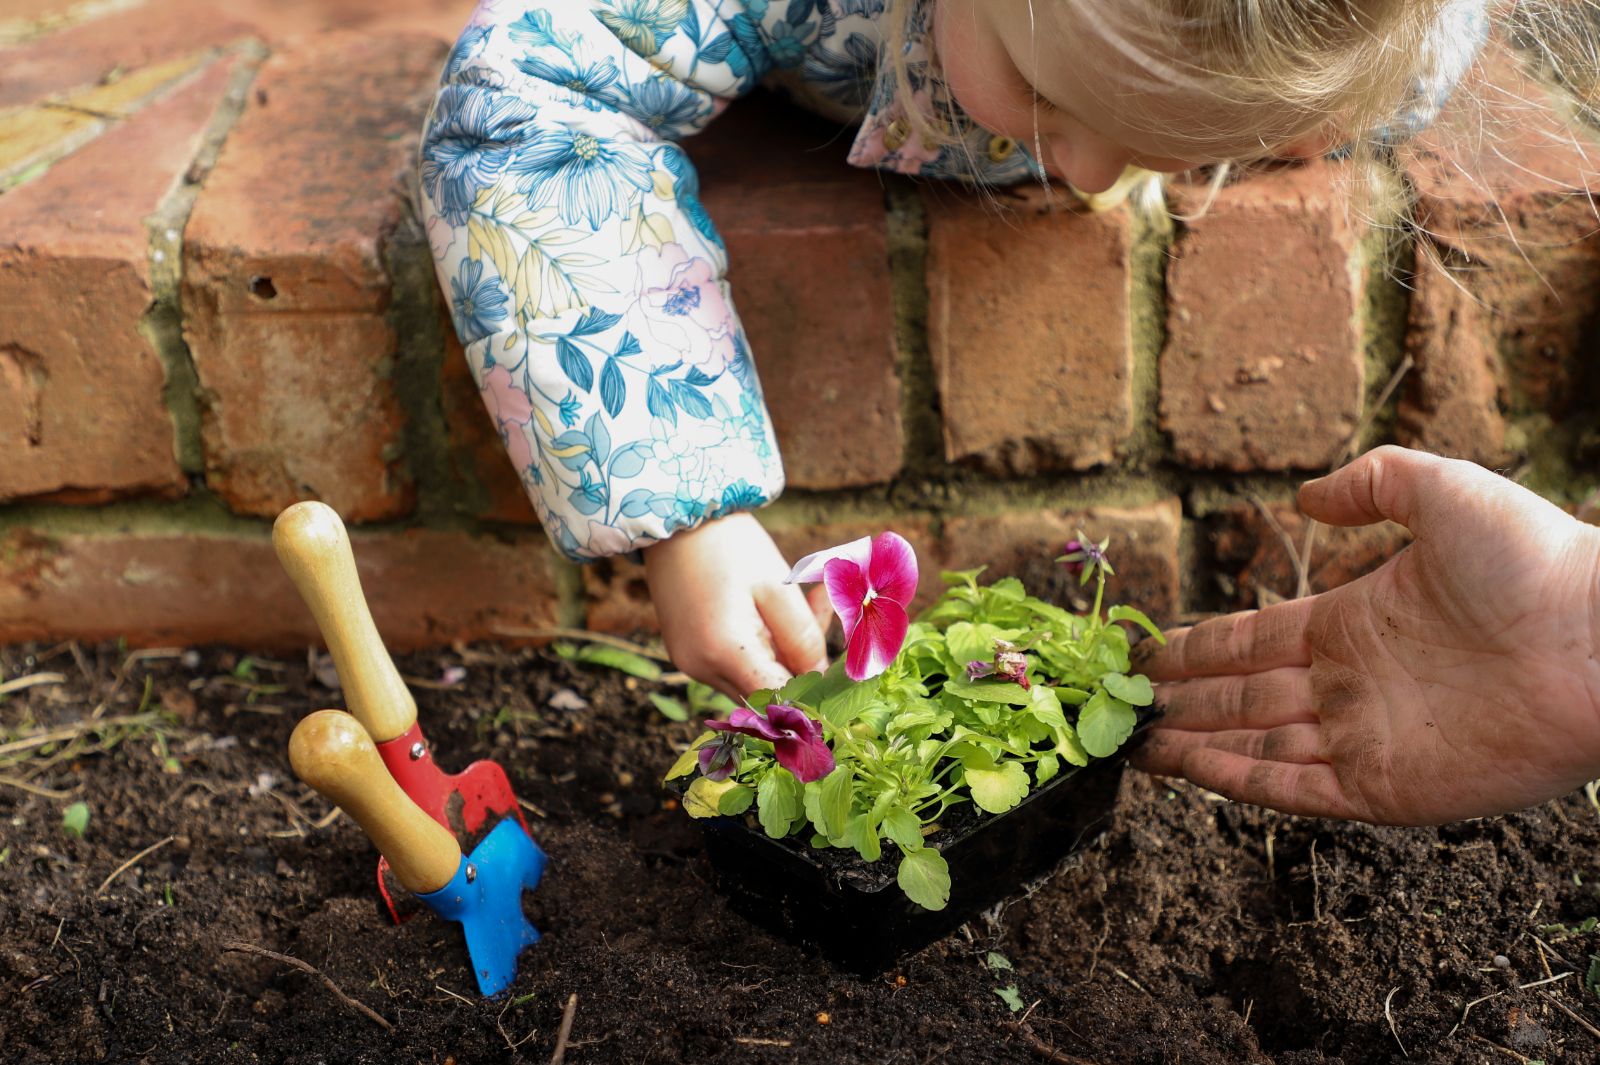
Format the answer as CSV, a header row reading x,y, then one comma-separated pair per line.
x,y
1458,680
727,616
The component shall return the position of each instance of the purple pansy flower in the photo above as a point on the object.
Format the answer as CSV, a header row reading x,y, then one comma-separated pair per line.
x,y
796,739
1083,558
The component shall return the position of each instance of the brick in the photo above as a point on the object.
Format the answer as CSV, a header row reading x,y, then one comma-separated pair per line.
x,y
1452,404
1252,553
617,598
84,413
100,49
426,588
1263,365
476,449
1028,327
285,285
1506,200
809,267
1143,551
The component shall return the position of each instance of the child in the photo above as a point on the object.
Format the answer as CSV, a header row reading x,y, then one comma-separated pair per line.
x,y
587,280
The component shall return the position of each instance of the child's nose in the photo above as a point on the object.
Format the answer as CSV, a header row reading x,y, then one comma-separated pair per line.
x,y
1086,163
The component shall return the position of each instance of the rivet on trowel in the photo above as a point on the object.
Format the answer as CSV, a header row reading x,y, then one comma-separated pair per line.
x,y
418,749
472,872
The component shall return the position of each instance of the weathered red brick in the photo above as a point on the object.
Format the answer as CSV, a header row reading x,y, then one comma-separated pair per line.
x,y
1263,366
1258,564
82,412
99,48
1506,198
1028,326
426,588
1143,551
618,598
285,285
809,265
1452,404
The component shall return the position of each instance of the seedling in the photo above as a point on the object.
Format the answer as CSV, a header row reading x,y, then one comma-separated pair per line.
x,y
75,819
980,701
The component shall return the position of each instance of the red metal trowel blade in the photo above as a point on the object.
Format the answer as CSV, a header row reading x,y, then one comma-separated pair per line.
x,y
461,802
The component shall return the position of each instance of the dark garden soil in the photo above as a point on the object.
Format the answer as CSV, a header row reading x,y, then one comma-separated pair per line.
x,y
1193,931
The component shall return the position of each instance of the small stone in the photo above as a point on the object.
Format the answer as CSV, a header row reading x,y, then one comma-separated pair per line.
x,y
624,779
1502,962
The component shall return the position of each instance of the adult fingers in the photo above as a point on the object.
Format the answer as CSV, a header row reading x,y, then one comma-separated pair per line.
x,y
796,636
1306,790
1248,642
1167,751
1252,701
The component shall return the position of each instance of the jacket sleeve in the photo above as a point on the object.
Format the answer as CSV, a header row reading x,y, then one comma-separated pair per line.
x,y
585,280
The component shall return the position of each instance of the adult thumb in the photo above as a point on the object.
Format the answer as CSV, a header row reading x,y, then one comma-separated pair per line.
x,y
1386,484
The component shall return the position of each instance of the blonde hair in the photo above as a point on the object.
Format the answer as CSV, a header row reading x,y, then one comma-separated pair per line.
x,y
1291,67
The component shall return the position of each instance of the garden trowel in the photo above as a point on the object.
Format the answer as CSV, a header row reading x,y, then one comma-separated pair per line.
x,y
314,548
481,891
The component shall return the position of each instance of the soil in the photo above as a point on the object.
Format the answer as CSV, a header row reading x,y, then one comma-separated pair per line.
x,y
1192,931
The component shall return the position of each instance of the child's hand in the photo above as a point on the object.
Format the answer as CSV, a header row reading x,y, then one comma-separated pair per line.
x,y
1459,680
727,616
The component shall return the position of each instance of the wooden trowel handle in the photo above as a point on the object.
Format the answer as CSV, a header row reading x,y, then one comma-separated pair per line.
x,y
331,752
315,550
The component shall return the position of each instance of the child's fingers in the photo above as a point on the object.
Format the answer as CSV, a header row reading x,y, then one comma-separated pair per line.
x,y
796,636
821,607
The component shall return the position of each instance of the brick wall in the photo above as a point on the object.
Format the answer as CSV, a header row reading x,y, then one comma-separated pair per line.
x,y
215,301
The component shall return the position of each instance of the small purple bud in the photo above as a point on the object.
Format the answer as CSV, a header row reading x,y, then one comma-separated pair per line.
x,y
977,670
720,760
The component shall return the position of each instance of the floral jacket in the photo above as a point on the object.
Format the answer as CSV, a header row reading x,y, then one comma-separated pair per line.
x,y
587,282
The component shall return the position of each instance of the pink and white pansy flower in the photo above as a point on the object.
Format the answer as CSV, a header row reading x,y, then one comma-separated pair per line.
x,y
870,583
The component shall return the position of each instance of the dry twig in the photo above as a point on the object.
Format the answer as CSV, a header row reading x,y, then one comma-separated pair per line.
x,y
237,947
1389,1016
566,1030
1564,1008
131,862
17,684
550,635
1045,1050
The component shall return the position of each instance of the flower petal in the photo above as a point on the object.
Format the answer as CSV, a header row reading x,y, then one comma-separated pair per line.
x,y
847,591
746,721
892,570
807,760
876,641
809,569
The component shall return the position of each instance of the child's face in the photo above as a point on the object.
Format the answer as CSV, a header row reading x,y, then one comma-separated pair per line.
x,y
1055,72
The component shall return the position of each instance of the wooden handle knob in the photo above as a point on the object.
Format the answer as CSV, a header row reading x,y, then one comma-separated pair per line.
x,y
315,550
330,751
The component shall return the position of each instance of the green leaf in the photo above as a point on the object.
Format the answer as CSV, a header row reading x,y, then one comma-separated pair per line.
x,y
707,798
995,787
670,708
833,801
1105,724
965,578
688,760
997,961
1046,707
1591,980
843,707
704,699
736,800
1069,747
597,654
1011,997
925,878
903,826
1135,691
989,691
1008,588
1045,769
862,835
780,802
968,642
1128,613
75,819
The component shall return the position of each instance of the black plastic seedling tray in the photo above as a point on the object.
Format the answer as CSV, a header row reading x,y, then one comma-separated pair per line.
x,y
855,915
